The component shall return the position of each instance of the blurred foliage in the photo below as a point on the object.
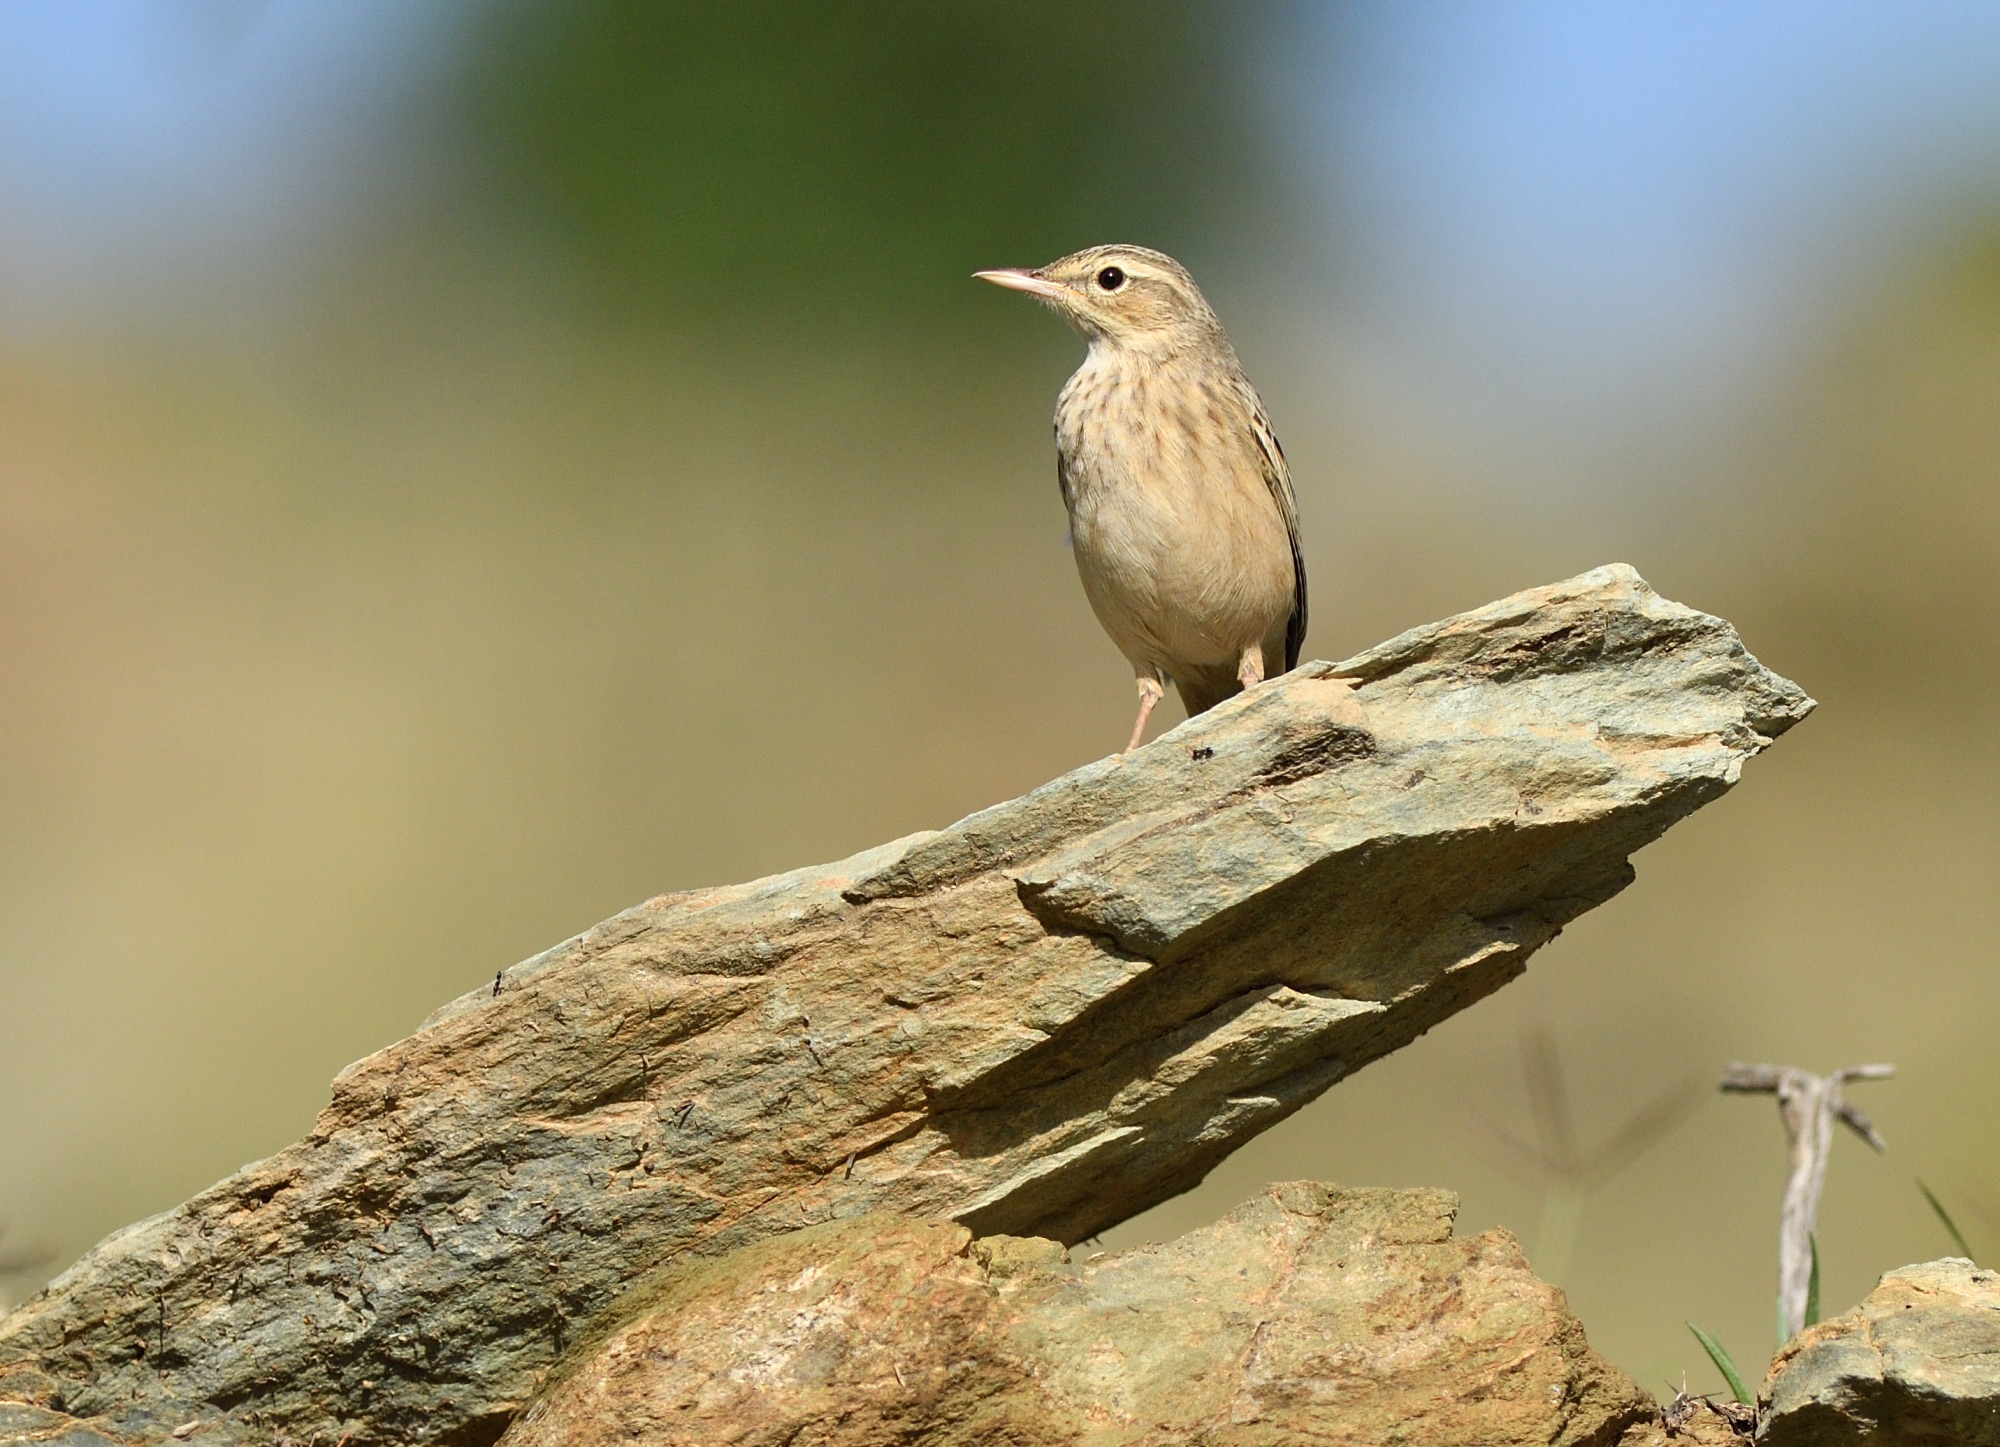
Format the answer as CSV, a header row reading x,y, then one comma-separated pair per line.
x,y
1890,521
771,158
1974,275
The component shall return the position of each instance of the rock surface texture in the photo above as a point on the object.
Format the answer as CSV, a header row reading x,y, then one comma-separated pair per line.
x,y
1917,1364
1311,1314
1038,1021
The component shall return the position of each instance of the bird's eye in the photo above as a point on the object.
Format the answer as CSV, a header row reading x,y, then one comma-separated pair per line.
x,y
1111,278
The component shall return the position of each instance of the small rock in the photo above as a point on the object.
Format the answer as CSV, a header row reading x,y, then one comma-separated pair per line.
x,y
1917,1364
1005,1256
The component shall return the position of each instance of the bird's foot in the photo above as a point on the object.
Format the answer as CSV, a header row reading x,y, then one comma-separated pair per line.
x,y
1250,667
1151,691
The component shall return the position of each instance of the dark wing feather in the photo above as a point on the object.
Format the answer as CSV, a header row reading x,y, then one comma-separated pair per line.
x,y
1278,477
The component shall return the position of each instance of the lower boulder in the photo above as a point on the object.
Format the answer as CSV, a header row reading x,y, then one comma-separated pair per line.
x,y
1309,1314
1917,1364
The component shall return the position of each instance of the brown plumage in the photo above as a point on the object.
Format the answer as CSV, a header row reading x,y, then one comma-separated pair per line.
x,y
1181,511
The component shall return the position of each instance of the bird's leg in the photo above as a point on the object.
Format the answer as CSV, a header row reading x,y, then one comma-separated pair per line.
x,y
1250,668
1151,690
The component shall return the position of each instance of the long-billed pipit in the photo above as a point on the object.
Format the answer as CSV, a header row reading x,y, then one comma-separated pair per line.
x,y
1180,505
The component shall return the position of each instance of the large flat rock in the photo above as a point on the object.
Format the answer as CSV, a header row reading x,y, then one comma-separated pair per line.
x,y
1038,1021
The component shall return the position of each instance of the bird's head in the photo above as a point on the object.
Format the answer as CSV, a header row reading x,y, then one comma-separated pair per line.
x,y
1128,296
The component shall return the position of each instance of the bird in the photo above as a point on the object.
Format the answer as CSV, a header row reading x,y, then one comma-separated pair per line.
x,y
1181,513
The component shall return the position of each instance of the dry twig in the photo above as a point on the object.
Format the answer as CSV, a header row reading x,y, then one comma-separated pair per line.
x,y
1808,1104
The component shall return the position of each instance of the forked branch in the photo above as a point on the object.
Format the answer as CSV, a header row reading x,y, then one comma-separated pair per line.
x,y
1808,1104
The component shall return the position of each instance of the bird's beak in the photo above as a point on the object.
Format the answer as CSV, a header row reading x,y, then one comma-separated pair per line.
x,y
1032,282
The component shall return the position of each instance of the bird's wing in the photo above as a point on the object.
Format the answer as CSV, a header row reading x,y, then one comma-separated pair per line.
x,y
1278,477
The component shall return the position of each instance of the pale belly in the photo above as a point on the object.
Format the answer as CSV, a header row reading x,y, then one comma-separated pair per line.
x,y
1185,572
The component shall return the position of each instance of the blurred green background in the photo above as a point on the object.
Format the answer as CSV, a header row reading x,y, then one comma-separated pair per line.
x,y
467,468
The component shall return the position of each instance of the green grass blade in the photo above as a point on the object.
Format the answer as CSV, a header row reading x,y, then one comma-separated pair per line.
x,y
1812,1282
1723,1364
1957,1236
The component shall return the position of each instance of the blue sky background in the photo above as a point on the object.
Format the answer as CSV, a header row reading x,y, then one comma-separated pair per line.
x,y
1563,206
1531,205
